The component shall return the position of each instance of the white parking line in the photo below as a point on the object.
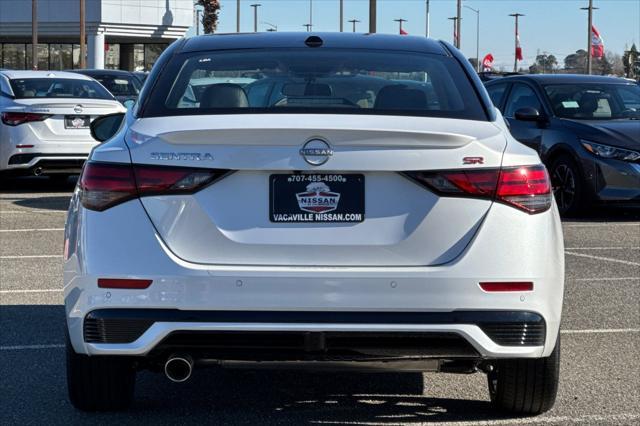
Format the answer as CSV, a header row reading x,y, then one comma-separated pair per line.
x,y
602,248
31,211
43,290
591,418
605,279
23,347
32,230
607,259
32,256
592,224
601,331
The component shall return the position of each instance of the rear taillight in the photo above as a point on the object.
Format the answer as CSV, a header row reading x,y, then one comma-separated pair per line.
x,y
15,118
527,188
103,185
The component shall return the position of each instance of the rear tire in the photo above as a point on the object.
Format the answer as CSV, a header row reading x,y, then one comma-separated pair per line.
x,y
567,185
99,383
525,386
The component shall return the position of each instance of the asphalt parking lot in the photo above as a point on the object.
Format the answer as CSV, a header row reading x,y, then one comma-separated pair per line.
x,y
600,373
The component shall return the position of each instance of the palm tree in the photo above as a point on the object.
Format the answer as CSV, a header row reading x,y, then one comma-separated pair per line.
x,y
209,15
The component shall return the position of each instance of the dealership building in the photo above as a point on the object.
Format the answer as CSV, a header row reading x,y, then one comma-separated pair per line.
x,y
120,34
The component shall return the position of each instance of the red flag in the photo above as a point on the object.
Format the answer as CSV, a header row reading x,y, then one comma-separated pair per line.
x,y
597,43
518,48
487,62
403,32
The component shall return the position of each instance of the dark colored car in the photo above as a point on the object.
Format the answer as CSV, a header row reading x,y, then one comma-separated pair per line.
x,y
585,128
142,75
123,85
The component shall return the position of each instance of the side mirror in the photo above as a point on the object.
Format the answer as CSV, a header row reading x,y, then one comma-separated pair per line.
x,y
528,114
129,103
103,128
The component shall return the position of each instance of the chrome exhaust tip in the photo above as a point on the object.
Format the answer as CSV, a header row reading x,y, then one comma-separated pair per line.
x,y
178,368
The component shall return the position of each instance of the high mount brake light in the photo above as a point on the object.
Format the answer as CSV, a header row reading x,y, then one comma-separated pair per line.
x,y
16,118
527,188
104,185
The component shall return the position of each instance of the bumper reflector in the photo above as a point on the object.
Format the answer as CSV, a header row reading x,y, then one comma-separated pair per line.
x,y
124,283
507,286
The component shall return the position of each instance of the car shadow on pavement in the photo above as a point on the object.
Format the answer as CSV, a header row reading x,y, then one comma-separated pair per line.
x,y
40,186
28,184
609,213
33,388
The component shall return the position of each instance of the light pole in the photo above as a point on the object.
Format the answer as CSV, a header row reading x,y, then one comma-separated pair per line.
x,y
83,46
310,14
341,15
459,24
255,16
373,15
590,9
515,62
237,16
34,34
273,28
455,30
426,26
477,11
307,26
354,22
400,21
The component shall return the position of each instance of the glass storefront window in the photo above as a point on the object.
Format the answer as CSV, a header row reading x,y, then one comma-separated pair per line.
x,y
13,56
61,56
151,54
112,57
43,56
138,57
76,56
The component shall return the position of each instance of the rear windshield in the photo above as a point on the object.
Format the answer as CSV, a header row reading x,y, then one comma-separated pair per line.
x,y
24,88
119,85
335,81
595,101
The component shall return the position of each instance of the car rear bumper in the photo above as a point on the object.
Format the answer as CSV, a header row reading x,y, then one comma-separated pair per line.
x,y
297,336
46,163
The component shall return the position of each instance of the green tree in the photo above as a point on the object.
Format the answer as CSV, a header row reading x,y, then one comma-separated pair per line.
x,y
631,61
209,15
544,64
576,62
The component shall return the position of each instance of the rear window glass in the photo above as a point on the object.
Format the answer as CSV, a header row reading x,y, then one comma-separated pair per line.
x,y
58,88
119,85
333,81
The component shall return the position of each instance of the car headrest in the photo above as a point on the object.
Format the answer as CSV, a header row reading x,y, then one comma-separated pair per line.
x,y
317,89
399,96
224,95
589,103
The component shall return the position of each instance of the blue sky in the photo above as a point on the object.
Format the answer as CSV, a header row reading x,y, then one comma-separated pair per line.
x,y
554,26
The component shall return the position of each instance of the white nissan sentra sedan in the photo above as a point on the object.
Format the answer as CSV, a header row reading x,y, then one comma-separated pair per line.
x,y
325,201
44,121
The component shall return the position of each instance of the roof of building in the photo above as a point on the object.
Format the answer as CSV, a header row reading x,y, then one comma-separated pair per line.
x,y
91,72
299,39
18,74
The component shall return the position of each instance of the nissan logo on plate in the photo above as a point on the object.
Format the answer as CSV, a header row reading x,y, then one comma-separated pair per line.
x,y
316,152
77,109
